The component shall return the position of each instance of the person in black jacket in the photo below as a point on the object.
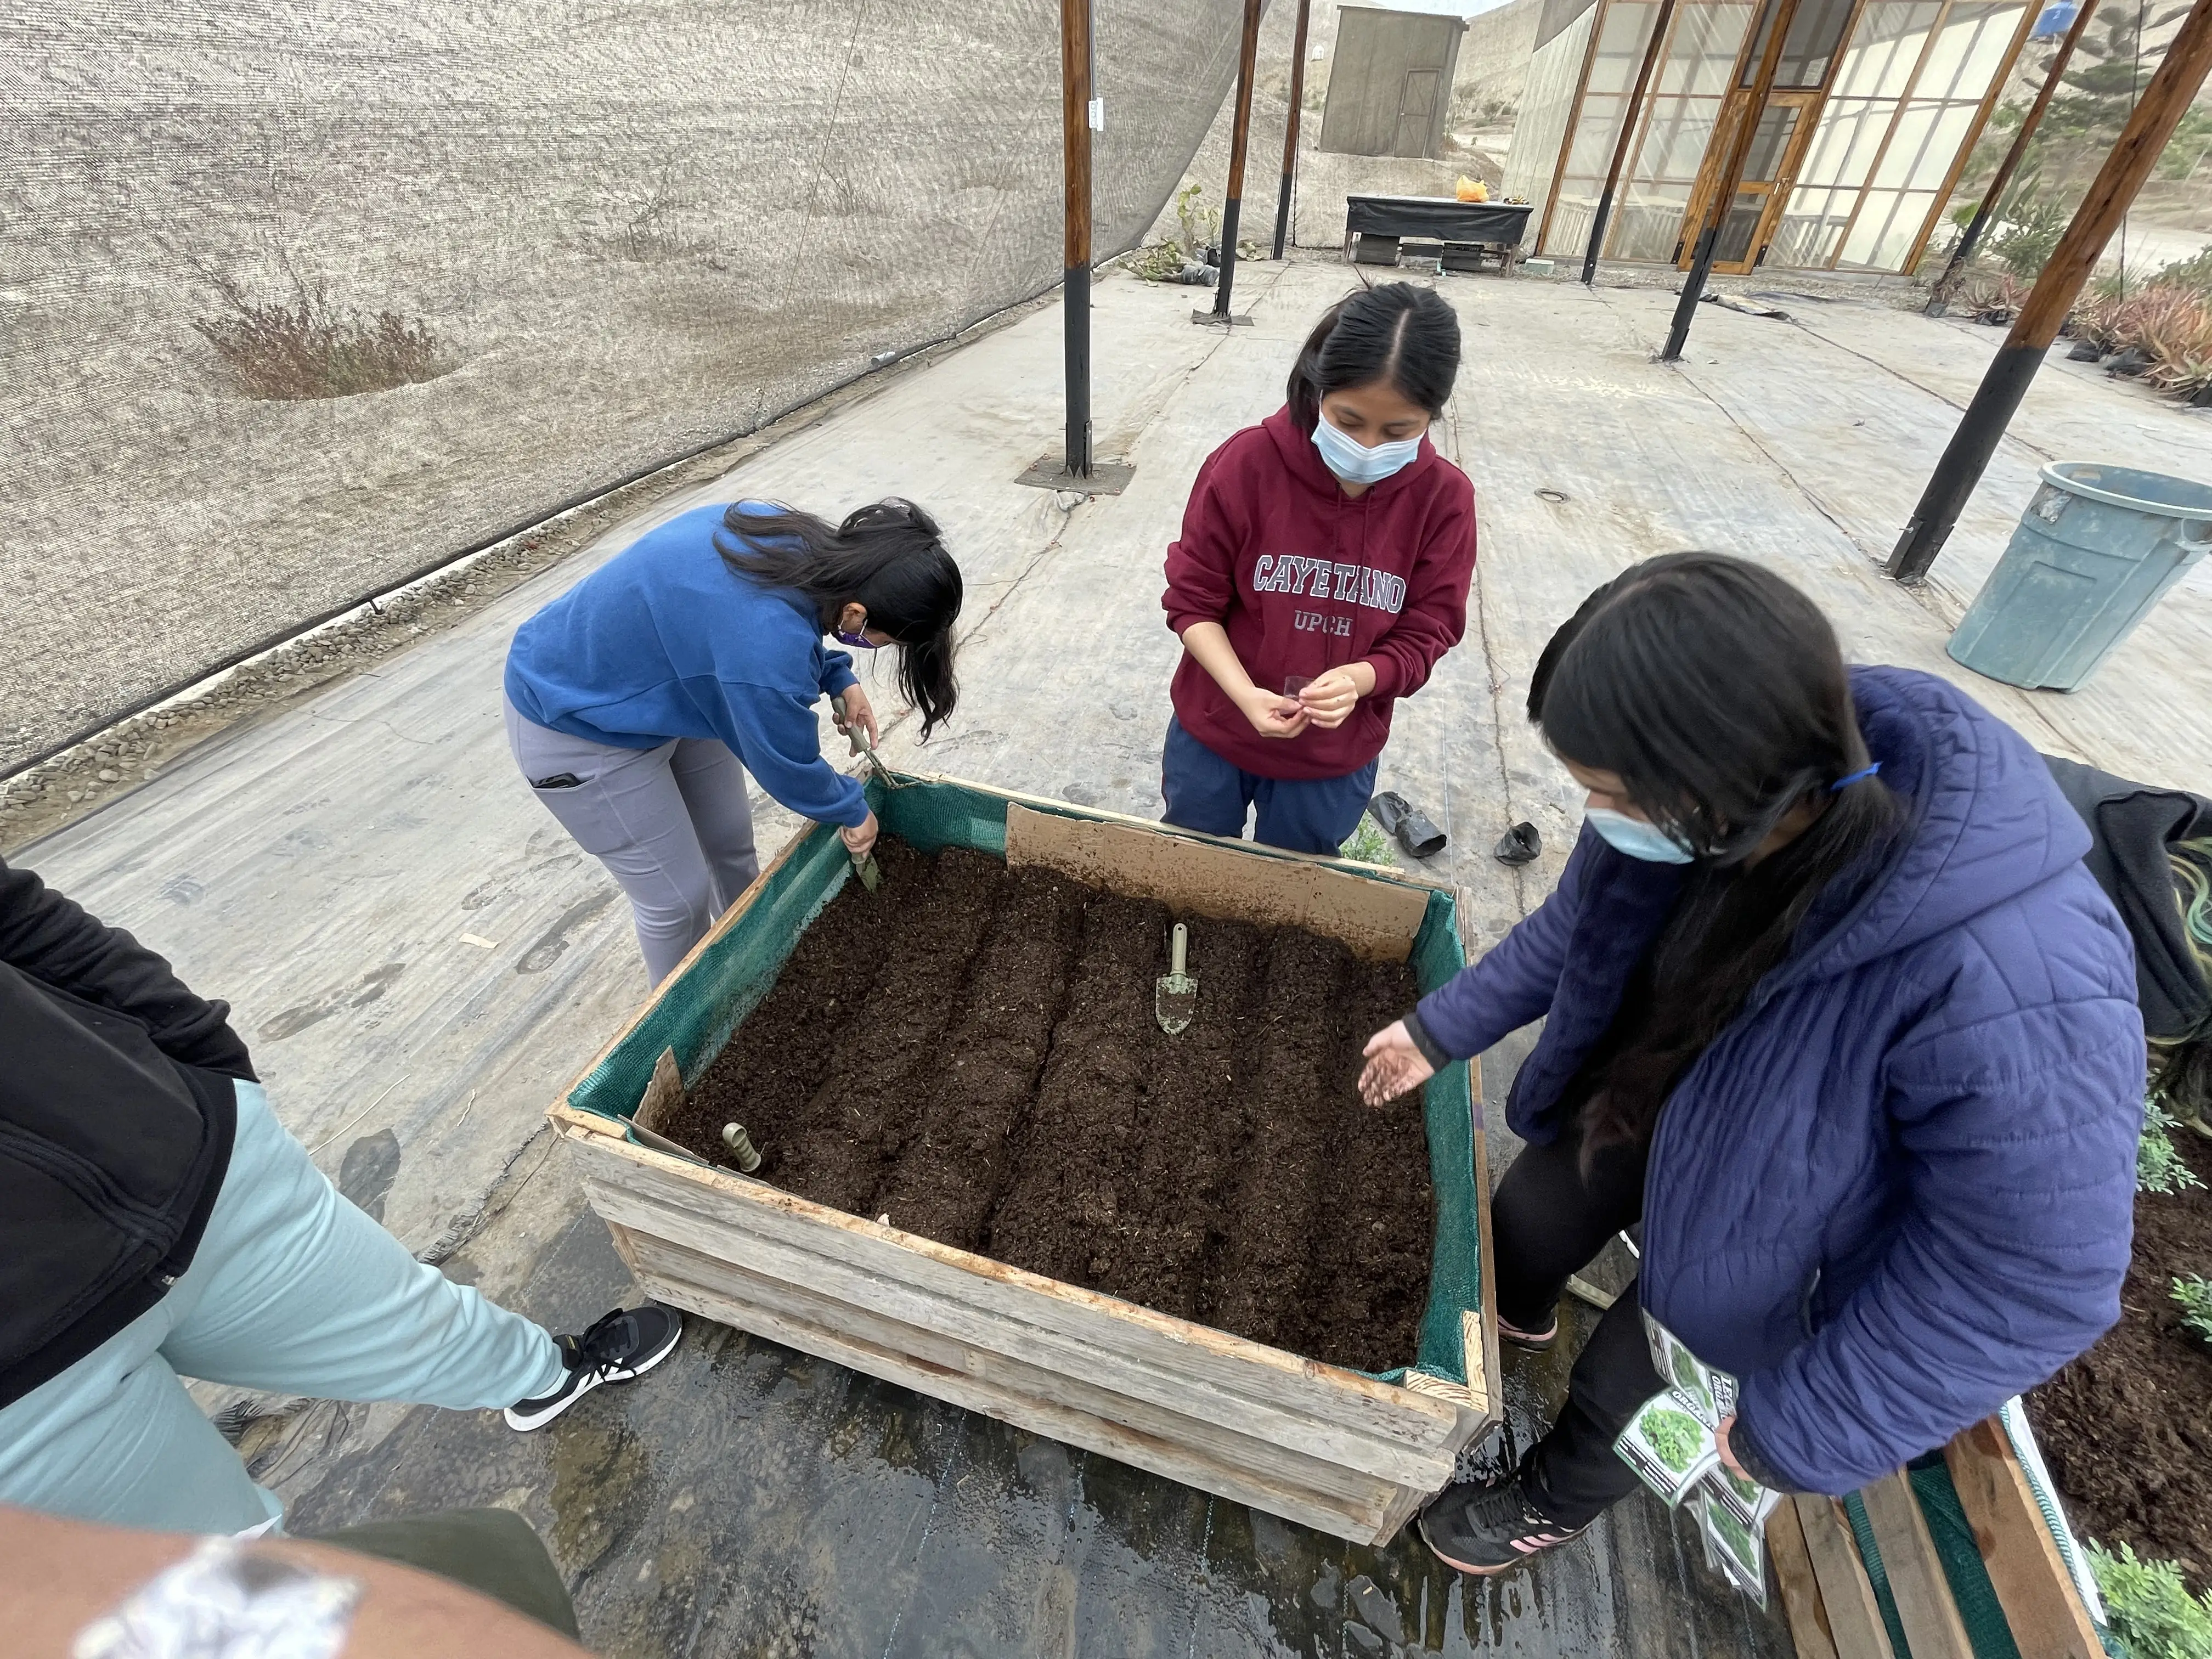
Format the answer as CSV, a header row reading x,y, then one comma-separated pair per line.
x,y
155,1219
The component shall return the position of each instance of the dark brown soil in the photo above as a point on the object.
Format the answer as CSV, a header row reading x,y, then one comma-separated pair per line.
x,y
2124,1428
971,1051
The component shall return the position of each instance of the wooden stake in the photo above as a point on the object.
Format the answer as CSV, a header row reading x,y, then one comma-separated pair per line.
x,y
1947,283
2164,102
1291,128
1724,187
1240,137
1630,116
1075,111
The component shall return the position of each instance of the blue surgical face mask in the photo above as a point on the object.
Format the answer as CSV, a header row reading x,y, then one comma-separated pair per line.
x,y
1638,837
858,642
1354,462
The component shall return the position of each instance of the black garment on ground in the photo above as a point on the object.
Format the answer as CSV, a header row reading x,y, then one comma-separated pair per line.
x,y
2133,825
116,1112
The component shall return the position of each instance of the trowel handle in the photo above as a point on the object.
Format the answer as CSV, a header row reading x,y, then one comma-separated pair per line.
x,y
1178,949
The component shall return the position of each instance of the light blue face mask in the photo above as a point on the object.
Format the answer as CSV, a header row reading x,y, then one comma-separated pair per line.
x,y
1354,462
1638,837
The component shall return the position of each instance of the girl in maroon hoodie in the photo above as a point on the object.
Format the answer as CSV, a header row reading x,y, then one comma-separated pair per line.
x,y
1322,569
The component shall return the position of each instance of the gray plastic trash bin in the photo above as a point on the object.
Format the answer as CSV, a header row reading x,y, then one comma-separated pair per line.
x,y
2095,550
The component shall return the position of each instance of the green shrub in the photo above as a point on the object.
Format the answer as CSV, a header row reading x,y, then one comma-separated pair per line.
x,y
2194,1293
2159,1168
2148,1608
1369,845
2027,231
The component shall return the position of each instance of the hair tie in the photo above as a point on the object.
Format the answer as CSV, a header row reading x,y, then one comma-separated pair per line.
x,y
1859,776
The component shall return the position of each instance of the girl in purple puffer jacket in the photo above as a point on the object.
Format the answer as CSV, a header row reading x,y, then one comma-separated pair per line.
x,y
1834,1008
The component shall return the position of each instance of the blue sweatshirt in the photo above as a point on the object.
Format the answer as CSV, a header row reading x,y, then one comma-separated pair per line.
x,y
666,640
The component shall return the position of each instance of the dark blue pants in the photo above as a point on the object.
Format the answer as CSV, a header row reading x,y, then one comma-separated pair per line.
x,y
1306,815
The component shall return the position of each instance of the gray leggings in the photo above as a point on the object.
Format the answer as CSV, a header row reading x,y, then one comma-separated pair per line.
x,y
672,825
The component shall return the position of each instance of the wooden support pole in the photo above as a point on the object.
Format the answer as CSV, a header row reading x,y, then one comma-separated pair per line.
x,y
2164,101
1291,128
1628,121
1947,283
1240,137
1075,118
1724,187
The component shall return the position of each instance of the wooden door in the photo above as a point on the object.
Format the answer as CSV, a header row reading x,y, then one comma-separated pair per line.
x,y
1417,112
1778,147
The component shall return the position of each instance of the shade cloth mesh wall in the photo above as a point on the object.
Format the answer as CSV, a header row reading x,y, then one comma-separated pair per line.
x,y
607,234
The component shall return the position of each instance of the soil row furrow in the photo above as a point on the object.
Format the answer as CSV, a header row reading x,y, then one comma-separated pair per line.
x,y
1274,1207
956,1162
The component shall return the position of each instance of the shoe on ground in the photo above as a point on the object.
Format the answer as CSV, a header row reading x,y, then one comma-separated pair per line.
x,y
1487,1526
1534,1341
628,1343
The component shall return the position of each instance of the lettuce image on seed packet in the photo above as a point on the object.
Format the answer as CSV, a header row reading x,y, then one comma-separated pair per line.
x,y
1670,1449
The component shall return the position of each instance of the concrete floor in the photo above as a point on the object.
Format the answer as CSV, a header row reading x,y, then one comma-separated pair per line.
x,y
319,867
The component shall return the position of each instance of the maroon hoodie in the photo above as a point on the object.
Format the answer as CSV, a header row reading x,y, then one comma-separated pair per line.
x,y
1305,578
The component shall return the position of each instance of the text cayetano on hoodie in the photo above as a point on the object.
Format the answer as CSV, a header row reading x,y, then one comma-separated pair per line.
x,y
1305,579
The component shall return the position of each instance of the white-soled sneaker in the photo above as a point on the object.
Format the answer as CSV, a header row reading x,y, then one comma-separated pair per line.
x,y
626,1344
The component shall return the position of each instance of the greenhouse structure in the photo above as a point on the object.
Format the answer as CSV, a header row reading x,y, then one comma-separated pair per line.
x,y
1874,107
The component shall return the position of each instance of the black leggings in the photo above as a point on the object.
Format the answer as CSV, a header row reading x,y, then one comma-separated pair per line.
x,y
1546,1223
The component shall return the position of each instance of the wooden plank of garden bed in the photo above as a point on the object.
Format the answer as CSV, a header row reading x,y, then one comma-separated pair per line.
x,y
1375,918
2033,1585
1312,1492
1933,1629
1223,1376
1800,1591
1854,1617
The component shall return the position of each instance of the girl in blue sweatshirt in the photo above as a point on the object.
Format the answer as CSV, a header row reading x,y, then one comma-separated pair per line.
x,y
638,700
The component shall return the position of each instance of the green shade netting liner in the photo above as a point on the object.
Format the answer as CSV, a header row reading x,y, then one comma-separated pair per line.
x,y
695,1012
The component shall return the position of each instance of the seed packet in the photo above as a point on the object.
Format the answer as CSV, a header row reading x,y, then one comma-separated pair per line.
x,y
1736,1549
1708,1394
1748,1501
1668,1447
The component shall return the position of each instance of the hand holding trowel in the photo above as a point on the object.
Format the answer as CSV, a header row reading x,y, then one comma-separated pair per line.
x,y
856,733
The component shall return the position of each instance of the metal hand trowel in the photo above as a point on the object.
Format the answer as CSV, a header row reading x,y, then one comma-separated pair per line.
x,y
1175,998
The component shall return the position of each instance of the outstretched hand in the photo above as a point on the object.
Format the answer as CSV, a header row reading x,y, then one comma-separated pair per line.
x,y
1394,1066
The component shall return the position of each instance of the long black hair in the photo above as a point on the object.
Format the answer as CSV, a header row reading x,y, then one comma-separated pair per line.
x,y
1405,336
887,556
1717,693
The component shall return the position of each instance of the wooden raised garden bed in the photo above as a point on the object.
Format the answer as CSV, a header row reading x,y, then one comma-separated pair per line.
x,y
1352,1452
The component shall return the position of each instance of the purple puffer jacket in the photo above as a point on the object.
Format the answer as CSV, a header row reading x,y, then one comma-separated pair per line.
x,y
1898,1188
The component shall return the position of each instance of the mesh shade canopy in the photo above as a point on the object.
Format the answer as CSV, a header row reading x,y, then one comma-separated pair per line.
x,y
565,244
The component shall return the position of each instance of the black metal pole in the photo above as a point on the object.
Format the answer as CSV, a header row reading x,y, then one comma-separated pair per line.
x,y
2157,112
1290,129
1627,136
1939,297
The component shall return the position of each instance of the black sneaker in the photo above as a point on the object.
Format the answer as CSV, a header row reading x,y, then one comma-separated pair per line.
x,y
1534,1341
628,1343
1487,1526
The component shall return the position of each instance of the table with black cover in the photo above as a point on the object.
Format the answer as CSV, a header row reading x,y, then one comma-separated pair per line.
x,y
1374,225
